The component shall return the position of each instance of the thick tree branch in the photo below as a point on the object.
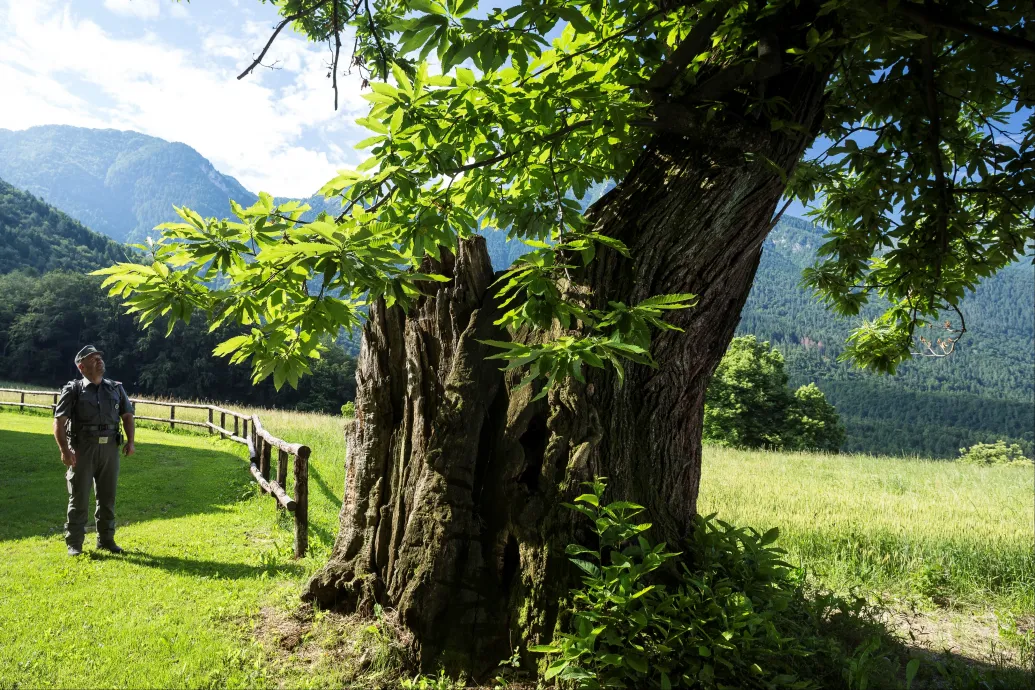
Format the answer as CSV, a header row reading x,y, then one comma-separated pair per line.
x,y
767,65
932,16
276,32
692,46
934,138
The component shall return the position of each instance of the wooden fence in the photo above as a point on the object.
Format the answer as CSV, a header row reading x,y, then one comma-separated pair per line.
x,y
248,430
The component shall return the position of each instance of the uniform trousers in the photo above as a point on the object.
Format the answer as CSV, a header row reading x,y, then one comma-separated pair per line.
x,y
97,465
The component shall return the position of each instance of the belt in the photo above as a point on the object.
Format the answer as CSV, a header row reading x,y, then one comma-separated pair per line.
x,y
98,427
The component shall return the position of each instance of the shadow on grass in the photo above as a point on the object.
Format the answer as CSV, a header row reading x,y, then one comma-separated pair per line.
x,y
158,482
199,568
332,497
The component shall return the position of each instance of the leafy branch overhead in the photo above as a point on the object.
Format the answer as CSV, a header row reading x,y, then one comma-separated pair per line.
x,y
504,118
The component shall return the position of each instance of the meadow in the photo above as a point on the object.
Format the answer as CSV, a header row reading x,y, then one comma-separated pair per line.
x,y
207,594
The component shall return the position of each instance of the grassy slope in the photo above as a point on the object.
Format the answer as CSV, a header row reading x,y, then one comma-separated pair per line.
x,y
207,553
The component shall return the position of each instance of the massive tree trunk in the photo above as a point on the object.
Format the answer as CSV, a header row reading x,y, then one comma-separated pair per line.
x,y
454,478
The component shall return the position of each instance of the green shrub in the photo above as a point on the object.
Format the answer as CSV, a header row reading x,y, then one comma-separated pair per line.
x,y
997,453
727,613
348,410
748,404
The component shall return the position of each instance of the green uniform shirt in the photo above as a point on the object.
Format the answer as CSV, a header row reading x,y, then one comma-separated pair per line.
x,y
98,405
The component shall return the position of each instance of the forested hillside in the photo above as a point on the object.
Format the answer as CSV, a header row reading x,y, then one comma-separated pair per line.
x,y
931,406
38,236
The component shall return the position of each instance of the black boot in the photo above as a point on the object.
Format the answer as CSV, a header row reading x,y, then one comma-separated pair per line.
x,y
110,546
74,550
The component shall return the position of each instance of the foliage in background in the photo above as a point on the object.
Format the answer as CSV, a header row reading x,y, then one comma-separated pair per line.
x,y
997,453
45,320
736,616
748,404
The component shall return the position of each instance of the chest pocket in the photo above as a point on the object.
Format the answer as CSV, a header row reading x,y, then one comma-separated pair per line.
x,y
88,409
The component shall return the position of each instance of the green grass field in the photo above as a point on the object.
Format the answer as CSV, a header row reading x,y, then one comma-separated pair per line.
x,y
961,535
210,558
206,553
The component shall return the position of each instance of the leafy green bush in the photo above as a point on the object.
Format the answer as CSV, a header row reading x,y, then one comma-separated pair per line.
x,y
348,410
748,404
736,617
997,453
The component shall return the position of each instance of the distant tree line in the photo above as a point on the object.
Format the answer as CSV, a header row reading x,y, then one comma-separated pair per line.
x,y
45,319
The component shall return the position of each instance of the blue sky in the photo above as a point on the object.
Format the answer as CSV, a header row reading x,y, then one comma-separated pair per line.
x,y
169,69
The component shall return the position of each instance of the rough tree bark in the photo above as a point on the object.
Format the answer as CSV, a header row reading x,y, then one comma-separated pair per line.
x,y
451,514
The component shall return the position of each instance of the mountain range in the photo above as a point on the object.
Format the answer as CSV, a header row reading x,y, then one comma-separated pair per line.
x,y
122,184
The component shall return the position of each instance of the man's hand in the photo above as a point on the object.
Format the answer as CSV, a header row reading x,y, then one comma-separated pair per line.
x,y
68,457
128,449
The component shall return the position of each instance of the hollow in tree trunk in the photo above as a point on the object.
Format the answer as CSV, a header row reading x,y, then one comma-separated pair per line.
x,y
454,477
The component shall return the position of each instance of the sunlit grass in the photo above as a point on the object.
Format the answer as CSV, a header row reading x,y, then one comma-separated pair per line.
x,y
955,533
208,552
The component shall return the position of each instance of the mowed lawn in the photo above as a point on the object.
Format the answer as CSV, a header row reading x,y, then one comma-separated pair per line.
x,y
206,552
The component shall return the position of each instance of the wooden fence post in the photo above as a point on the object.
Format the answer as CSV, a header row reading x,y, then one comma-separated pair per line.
x,y
172,416
210,429
55,401
245,429
264,463
282,463
222,425
237,425
22,408
301,502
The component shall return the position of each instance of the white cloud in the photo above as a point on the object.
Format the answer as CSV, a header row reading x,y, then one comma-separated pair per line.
x,y
266,130
141,9
178,10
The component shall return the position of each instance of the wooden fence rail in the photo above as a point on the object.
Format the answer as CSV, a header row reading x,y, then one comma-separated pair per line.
x,y
248,430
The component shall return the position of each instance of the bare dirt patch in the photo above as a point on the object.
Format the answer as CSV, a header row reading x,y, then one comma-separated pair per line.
x,y
978,643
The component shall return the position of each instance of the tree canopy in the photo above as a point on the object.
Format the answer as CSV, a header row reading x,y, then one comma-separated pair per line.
x,y
749,405
503,118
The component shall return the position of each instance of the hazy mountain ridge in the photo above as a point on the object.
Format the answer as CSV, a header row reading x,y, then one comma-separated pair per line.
x,y
118,183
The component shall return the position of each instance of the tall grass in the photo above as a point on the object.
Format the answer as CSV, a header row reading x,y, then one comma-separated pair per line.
x,y
956,534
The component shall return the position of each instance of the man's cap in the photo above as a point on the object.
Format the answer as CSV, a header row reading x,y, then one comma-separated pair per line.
x,y
86,352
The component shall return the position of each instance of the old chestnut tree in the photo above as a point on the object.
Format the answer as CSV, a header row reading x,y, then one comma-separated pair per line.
x,y
483,400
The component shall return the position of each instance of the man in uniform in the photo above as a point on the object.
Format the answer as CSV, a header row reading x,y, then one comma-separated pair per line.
x,y
94,405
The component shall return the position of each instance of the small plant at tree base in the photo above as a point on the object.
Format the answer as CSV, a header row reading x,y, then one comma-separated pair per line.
x,y
997,453
739,617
